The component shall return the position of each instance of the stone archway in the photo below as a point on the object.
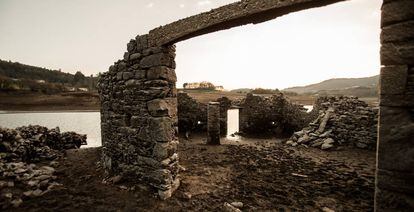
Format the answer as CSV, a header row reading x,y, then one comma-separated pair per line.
x,y
139,97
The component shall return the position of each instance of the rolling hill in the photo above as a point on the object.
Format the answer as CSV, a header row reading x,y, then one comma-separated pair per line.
x,y
338,84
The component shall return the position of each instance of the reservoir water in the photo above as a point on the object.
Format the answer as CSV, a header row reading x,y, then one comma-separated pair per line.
x,y
86,122
80,122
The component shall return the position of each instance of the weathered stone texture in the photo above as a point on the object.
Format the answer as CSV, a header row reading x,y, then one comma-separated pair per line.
x,y
400,53
139,124
342,121
395,152
397,11
139,117
192,115
213,123
235,14
273,115
393,79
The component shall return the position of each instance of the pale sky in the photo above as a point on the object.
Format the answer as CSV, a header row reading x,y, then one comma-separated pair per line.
x,y
340,40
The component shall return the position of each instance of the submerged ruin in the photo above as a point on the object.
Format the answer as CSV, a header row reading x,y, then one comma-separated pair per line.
x,y
139,98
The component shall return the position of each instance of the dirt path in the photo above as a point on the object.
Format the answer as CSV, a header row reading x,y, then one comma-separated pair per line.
x,y
264,176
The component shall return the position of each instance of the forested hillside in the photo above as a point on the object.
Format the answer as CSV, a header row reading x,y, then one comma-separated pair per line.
x,y
17,76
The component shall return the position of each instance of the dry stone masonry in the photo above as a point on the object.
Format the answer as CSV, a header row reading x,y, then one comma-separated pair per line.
x,y
138,98
139,116
192,114
341,121
395,164
213,123
274,115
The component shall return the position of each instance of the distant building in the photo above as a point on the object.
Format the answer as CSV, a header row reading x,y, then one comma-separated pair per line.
x,y
83,89
41,81
219,88
202,85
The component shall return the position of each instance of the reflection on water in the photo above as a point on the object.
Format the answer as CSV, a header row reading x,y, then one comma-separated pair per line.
x,y
232,123
80,122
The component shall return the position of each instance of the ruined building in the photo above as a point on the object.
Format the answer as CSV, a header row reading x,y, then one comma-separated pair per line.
x,y
139,104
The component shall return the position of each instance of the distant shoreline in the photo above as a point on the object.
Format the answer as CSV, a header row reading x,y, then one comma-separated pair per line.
x,y
46,111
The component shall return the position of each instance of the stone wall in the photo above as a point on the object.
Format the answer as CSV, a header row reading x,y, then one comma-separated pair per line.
x,y
395,156
273,115
139,116
138,97
192,115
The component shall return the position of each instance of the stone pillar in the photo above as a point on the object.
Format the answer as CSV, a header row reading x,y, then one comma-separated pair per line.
x,y
139,117
395,156
213,123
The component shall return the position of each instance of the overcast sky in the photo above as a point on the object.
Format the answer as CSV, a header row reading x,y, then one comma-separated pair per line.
x,y
340,40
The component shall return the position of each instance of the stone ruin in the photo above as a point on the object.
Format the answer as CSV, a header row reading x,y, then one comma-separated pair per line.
x,y
139,117
138,97
341,121
192,114
274,115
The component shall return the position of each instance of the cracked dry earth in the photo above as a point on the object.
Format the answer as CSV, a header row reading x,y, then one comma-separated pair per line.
x,y
263,174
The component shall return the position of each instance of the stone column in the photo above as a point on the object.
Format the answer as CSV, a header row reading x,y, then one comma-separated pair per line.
x,y
139,117
395,156
213,123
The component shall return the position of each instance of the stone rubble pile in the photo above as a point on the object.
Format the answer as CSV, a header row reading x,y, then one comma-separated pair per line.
x,y
341,121
20,149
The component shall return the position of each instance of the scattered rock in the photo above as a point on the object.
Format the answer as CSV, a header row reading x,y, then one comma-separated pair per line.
x,y
237,204
343,120
17,202
20,148
230,208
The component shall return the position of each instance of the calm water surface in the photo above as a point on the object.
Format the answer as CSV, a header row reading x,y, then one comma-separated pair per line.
x,y
80,122
86,122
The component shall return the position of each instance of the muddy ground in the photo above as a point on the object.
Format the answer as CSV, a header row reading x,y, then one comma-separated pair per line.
x,y
264,174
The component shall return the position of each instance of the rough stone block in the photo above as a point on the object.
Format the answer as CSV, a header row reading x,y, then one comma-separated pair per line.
x,y
165,194
142,42
161,177
127,75
126,56
397,181
396,143
397,100
156,83
138,121
162,72
163,107
387,200
140,74
152,50
398,32
160,59
122,66
119,75
397,11
393,79
133,83
131,46
162,151
213,123
161,129
135,56
397,53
